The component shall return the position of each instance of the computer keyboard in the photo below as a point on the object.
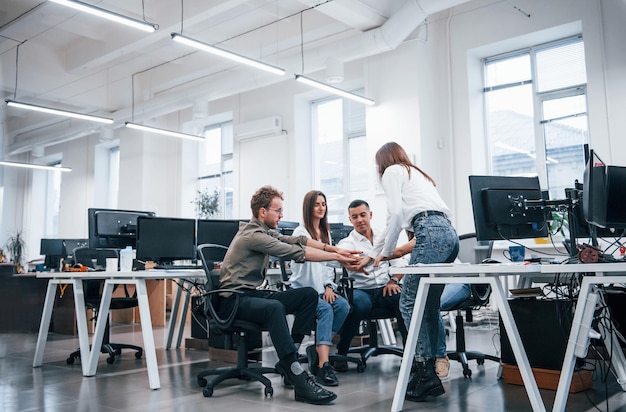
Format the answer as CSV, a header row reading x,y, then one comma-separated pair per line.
x,y
178,267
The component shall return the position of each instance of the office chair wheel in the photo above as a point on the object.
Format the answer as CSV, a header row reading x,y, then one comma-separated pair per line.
x,y
480,361
269,392
207,392
467,373
111,359
70,360
138,354
360,368
202,382
118,352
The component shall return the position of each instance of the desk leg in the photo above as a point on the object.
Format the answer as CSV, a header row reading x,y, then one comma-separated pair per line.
x,y
103,314
148,336
81,323
516,345
409,348
44,325
173,316
183,319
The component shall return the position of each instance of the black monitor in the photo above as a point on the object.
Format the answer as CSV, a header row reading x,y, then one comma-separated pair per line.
x,y
54,251
112,228
594,190
339,231
501,211
165,239
217,232
71,244
286,227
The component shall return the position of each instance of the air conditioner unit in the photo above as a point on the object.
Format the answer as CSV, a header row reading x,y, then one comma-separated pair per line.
x,y
266,126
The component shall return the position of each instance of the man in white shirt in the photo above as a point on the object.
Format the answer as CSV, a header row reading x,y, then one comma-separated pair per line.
x,y
372,289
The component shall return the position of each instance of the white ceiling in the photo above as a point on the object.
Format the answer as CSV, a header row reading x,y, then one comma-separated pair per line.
x,y
72,60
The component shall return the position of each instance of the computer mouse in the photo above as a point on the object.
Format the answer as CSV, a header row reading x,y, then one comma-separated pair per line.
x,y
490,260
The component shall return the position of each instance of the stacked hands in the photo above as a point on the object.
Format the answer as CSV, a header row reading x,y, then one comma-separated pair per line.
x,y
357,263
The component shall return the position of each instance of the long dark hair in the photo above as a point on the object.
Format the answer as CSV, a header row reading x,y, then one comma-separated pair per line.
x,y
307,216
393,154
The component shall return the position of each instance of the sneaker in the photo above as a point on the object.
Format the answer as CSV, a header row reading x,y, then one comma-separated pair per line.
x,y
305,387
326,375
312,359
442,368
340,366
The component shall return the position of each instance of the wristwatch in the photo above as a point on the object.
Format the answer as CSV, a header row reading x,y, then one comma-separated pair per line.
x,y
330,285
395,280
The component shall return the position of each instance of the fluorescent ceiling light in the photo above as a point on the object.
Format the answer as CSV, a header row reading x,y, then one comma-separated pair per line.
x,y
227,54
334,90
58,112
36,166
110,15
165,132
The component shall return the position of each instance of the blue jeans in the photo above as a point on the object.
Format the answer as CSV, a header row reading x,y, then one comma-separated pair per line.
x,y
330,317
436,241
453,294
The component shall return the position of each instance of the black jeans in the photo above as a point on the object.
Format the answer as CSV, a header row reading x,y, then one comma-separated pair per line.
x,y
363,301
269,309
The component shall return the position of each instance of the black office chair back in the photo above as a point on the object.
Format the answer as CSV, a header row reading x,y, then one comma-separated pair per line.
x,y
207,252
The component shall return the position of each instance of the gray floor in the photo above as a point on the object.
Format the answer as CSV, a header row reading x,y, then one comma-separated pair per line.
x,y
123,386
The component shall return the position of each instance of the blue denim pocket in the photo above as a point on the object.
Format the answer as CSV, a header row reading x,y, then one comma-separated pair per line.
x,y
436,240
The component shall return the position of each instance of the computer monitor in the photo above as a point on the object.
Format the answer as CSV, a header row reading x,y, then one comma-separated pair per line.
x,y
604,197
112,228
165,239
217,232
54,251
501,211
286,227
71,244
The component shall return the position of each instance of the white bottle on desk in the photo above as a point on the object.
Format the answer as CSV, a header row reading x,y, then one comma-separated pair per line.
x,y
126,259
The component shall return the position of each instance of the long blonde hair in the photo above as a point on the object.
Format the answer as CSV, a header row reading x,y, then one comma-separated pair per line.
x,y
393,154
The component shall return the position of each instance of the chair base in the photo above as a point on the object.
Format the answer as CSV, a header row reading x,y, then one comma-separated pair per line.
x,y
465,357
367,352
241,373
112,349
360,363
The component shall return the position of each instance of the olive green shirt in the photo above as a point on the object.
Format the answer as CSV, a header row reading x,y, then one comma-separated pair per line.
x,y
247,258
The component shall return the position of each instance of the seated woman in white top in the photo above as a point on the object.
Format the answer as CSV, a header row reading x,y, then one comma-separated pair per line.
x,y
332,309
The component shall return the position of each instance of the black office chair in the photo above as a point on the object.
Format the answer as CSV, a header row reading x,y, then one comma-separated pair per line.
x,y
93,295
470,251
229,327
373,348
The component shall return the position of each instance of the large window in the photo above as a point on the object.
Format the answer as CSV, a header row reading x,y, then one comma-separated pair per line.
x,y
536,113
215,166
340,150
52,202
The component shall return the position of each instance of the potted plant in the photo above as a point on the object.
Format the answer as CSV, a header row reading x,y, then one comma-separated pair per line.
x,y
207,203
16,247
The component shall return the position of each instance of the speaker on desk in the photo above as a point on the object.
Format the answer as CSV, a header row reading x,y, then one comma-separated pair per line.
x,y
544,326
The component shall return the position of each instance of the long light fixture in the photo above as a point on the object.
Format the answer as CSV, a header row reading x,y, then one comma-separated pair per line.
x,y
164,132
334,90
36,166
58,112
227,54
110,15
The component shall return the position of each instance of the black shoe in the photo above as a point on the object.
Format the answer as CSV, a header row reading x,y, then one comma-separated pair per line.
x,y
426,382
326,375
312,359
305,387
340,366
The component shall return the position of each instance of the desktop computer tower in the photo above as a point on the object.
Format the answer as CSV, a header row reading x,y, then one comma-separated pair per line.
x,y
544,326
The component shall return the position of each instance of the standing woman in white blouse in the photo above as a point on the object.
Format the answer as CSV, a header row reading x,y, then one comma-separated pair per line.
x,y
414,204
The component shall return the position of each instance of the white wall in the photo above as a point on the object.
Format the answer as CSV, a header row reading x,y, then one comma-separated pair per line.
x,y
428,94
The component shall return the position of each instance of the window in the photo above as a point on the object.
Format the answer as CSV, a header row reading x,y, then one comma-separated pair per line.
x,y
340,148
536,113
52,202
215,166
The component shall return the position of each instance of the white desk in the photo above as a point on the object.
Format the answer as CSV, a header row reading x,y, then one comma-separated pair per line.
x,y
89,358
580,326
466,273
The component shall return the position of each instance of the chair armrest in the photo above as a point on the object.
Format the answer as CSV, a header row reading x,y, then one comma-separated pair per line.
x,y
222,323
